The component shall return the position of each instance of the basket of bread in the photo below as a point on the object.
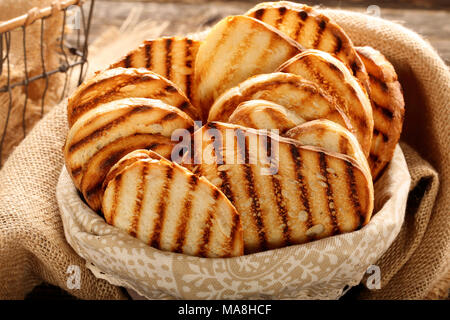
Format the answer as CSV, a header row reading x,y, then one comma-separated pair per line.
x,y
257,160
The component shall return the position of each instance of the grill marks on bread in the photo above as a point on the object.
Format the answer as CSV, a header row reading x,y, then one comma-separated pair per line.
x,y
313,30
141,189
329,136
255,207
203,223
103,135
313,194
331,74
237,48
155,239
119,83
170,57
97,167
322,184
388,107
263,114
301,98
185,214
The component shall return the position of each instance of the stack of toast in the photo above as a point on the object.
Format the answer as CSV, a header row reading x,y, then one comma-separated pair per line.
x,y
269,132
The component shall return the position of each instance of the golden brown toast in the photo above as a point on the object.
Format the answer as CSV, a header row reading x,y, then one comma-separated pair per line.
x,y
388,107
98,166
331,137
171,57
102,135
326,134
235,49
303,98
332,75
314,194
263,114
122,83
170,208
313,30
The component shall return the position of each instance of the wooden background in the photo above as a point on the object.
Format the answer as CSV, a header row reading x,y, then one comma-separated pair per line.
x,y
431,19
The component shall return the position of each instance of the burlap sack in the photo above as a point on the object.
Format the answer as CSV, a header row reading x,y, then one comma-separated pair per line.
x,y
32,244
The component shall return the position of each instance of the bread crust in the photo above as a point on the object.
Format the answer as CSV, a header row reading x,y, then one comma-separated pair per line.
x,y
388,108
304,98
332,76
235,49
103,135
171,57
331,137
313,30
119,83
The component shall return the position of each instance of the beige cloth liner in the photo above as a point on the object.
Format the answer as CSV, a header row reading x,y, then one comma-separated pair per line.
x,y
32,244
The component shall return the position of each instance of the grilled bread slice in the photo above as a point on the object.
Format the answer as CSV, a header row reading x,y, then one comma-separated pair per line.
x,y
388,107
170,57
122,83
313,30
101,136
170,208
313,194
332,75
235,49
263,114
300,97
331,137
128,159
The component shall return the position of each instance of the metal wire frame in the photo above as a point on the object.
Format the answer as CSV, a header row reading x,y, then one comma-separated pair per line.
x,y
74,54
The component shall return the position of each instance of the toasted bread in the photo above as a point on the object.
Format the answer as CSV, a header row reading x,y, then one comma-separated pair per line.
x,y
303,98
388,107
235,49
332,75
128,159
122,83
170,57
170,208
98,166
263,114
326,134
331,137
102,135
313,30
314,194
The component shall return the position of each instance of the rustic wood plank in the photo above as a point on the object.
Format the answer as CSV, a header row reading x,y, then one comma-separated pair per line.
x,y
194,15
422,4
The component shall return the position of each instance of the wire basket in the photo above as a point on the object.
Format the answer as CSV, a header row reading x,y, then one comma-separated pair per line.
x,y
20,39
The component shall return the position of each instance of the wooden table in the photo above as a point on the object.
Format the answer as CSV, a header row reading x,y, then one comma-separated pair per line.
x,y
431,19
